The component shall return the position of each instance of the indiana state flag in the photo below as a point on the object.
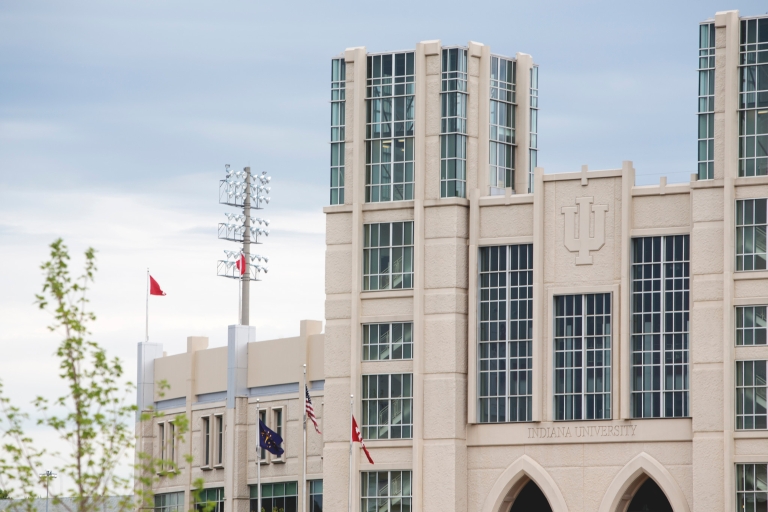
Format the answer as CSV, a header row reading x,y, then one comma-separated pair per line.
x,y
270,440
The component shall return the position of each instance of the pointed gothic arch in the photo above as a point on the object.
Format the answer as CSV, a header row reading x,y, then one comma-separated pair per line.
x,y
514,478
632,476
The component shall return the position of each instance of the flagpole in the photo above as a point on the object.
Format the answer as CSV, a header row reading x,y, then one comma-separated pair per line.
x,y
351,403
146,317
258,457
304,492
239,300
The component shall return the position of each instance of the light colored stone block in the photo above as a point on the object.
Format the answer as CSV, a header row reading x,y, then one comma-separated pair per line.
x,y
444,398
338,229
445,344
338,262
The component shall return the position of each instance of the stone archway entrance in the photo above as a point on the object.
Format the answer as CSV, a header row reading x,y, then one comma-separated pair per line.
x,y
531,498
649,498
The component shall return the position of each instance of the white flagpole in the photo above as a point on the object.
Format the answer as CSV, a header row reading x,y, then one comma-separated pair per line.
x,y
239,300
258,457
304,493
351,402
146,332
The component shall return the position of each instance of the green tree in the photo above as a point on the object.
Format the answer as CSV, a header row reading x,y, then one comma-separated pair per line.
x,y
5,495
94,416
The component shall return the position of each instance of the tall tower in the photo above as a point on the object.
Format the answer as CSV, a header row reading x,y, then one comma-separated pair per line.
x,y
414,134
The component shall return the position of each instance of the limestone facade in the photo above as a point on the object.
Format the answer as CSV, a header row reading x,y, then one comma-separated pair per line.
x,y
597,415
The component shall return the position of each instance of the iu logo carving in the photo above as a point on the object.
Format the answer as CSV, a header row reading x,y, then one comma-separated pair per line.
x,y
584,243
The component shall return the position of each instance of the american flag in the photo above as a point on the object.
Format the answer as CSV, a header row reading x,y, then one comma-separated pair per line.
x,y
310,410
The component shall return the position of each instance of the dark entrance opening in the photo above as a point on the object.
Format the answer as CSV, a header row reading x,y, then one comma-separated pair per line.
x,y
531,499
649,498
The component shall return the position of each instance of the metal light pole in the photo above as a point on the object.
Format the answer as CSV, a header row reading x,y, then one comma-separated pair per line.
x,y
47,475
242,189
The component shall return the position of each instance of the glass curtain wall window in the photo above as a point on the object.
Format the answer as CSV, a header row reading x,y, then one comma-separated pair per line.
x,y
211,498
282,497
315,496
706,101
338,103
751,487
660,326
386,491
583,357
534,151
502,123
387,406
453,123
387,341
751,395
751,325
751,226
170,502
753,98
388,256
505,333
390,114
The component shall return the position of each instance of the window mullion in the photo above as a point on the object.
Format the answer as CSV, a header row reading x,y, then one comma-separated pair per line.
x,y
508,341
583,356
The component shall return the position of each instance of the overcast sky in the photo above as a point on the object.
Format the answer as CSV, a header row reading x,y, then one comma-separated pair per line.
x,y
116,119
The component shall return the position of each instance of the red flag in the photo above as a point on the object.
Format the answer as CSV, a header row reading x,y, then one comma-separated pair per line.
x,y
154,288
241,264
358,438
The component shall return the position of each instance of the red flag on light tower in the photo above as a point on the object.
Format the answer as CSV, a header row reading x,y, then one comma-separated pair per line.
x,y
240,264
153,288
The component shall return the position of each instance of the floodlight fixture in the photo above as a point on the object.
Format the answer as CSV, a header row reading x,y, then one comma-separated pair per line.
x,y
242,189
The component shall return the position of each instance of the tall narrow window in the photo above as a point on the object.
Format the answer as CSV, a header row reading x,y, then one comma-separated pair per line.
x,y
386,491
706,101
263,418
751,325
583,357
750,234
660,326
453,124
751,487
387,406
219,440
277,416
387,341
315,496
172,443
338,88
534,144
751,395
388,256
502,128
390,115
207,441
753,98
162,442
505,332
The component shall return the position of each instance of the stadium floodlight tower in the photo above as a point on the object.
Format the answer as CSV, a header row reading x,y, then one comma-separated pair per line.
x,y
242,189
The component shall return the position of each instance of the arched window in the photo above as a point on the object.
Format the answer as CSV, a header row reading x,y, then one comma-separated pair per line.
x,y
531,498
649,498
